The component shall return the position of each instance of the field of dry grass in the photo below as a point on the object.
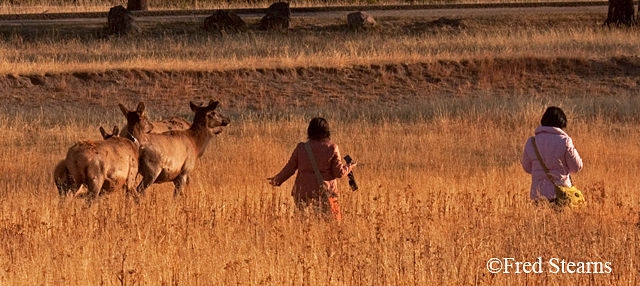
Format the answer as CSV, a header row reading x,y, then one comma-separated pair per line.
x,y
441,192
313,43
436,117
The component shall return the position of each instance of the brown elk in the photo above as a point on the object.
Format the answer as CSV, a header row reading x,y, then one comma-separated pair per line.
x,y
99,165
171,156
143,125
138,124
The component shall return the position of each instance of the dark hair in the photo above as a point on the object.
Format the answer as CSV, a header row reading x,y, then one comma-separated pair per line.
x,y
318,129
554,117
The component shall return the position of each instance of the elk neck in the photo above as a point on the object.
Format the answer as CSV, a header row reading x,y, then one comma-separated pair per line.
x,y
201,136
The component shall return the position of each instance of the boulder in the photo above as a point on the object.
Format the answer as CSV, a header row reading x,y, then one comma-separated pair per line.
x,y
121,22
223,20
138,5
360,20
278,17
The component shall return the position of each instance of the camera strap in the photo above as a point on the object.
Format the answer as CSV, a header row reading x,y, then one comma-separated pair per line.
x,y
313,163
544,167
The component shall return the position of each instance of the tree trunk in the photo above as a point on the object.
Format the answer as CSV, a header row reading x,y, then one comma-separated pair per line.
x,y
138,5
621,12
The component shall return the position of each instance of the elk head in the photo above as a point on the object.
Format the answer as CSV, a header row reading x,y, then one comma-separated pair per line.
x,y
137,122
206,116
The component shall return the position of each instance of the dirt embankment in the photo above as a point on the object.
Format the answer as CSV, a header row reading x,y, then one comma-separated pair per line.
x,y
395,84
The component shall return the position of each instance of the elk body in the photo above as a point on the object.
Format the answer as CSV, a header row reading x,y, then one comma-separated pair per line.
x,y
107,164
173,123
171,156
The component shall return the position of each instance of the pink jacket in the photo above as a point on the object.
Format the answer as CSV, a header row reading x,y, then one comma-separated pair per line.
x,y
329,162
557,152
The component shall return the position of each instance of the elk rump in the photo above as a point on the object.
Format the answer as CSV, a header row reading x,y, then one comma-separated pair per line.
x,y
107,164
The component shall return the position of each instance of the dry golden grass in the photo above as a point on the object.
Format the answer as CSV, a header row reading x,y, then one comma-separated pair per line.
x,y
442,192
442,189
185,46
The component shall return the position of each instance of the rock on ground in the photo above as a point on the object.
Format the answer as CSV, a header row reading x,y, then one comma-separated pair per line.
x,y
360,20
278,17
223,20
122,22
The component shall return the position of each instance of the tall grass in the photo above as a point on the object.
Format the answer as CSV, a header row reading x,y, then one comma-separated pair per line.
x,y
441,192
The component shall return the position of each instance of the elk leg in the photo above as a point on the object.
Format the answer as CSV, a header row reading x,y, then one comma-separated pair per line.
x,y
63,180
65,187
108,186
94,186
70,186
179,182
130,187
148,177
146,182
134,194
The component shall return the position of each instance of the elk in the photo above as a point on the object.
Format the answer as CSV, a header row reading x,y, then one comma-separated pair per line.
x,y
141,125
99,165
171,156
138,124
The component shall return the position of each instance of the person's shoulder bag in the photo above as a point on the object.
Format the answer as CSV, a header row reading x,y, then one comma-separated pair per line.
x,y
565,196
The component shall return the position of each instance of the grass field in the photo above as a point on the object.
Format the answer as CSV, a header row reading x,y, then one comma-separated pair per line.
x,y
437,117
441,192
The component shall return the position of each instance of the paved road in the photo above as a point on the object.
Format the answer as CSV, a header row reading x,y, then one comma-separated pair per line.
x,y
427,13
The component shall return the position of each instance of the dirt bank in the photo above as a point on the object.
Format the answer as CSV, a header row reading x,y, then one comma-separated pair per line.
x,y
308,87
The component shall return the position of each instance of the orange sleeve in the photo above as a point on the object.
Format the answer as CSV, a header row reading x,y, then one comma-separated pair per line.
x,y
337,168
289,169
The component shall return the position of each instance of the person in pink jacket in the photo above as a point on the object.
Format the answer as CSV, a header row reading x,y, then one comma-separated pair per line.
x,y
306,190
558,153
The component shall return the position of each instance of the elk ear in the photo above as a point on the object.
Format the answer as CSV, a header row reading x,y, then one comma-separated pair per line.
x,y
104,133
115,131
140,108
193,106
123,109
213,105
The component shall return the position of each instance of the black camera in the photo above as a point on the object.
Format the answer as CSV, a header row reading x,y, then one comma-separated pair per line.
x,y
352,178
